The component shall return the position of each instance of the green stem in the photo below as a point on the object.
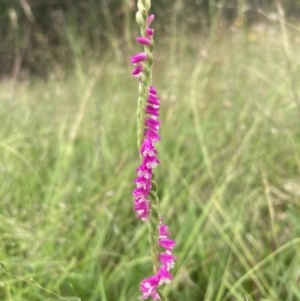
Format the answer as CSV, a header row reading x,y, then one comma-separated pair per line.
x,y
145,82
146,78
154,230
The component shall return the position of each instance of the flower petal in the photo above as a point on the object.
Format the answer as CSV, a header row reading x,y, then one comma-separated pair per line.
x,y
143,41
167,243
137,71
140,57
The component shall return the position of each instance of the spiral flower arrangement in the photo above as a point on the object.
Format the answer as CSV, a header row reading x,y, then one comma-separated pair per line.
x,y
145,191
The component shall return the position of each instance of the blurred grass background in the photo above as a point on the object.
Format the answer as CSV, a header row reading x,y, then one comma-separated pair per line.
x,y
229,180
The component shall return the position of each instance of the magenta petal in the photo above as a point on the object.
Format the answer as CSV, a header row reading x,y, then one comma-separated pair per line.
x,y
152,111
152,90
164,231
149,32
153,99
164,276
144,171
153,124
142,56
142,182
150,19
167,243
167,260
152,162
140,192
142,208
144,216
137,71
148,287
143,41
147,149
152,135
143,205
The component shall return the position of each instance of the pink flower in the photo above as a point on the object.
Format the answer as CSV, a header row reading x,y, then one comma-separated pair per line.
x,y
150,20
148,153
153,101
149,32
152,135
142,182
148,287
167,243
164,276
152,111
142,208
137,71
143,41
152,90
153,124
140,192
149,161
140,57
143,171
152,162
164,231
167,260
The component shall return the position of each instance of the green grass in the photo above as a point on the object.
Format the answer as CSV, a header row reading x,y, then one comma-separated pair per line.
x,y
228,183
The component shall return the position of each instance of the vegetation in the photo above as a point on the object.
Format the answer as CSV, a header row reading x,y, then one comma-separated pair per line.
x,y
229,178
36,34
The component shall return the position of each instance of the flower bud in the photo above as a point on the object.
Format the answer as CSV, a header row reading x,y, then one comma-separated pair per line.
x,y
147,4
144,4
140,19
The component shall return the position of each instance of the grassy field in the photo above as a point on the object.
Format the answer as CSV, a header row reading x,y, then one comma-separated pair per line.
x,y
229,180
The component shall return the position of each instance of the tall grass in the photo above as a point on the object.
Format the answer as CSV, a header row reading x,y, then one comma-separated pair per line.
x,y
229,178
